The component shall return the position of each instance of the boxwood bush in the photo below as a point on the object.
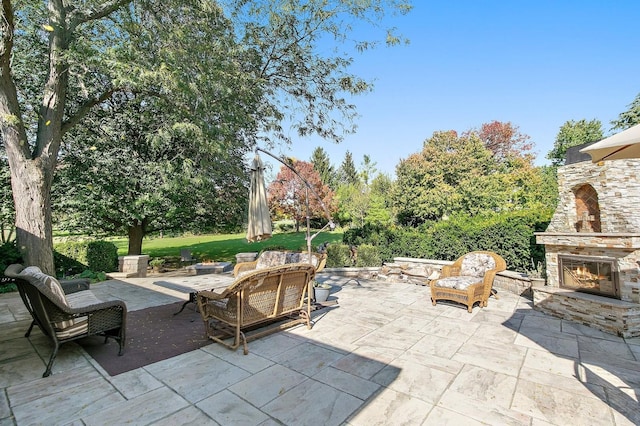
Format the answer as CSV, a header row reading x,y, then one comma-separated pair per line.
x,y
338,256
93,255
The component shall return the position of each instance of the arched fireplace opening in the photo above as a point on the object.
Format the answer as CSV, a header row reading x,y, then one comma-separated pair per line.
x,y
587,209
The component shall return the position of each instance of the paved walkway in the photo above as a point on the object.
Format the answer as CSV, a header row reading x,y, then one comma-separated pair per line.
x,y
383,355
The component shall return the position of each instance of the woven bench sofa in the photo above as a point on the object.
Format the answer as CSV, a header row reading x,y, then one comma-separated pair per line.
x,y
270,258
468,280
256,299
67,311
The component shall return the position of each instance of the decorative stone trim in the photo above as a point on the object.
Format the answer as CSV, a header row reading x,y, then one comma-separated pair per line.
x,y
609,315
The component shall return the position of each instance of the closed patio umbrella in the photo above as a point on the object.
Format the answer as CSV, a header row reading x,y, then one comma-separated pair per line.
x,y
620,146
259,219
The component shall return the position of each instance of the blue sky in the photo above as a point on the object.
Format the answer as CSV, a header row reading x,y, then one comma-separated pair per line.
x,y
535,63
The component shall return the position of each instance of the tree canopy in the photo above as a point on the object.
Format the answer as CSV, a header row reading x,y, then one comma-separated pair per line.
x,y
236,70
630,117
574,133
459,175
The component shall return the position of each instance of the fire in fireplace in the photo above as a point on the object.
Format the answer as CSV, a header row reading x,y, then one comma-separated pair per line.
x,y
589,274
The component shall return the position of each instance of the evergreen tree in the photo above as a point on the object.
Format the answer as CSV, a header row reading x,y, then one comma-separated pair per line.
x,y
630,117
348,173
322,165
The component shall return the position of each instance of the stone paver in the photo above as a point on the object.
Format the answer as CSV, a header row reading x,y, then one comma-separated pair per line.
x,y
382,356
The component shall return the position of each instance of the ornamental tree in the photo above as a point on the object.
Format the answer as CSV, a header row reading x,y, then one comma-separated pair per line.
x,y
288,194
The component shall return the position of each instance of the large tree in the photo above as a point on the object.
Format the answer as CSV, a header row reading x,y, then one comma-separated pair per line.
x,y
574,133
628,118
165,178
459,175
60,62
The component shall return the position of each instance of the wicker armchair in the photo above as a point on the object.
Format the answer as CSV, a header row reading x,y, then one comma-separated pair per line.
x,y
67,311
271,258
255,299
468,280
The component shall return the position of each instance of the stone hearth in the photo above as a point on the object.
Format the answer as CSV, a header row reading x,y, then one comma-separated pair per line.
x,y
598,218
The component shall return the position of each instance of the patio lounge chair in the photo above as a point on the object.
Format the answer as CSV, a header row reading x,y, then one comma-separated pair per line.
x,y
256,299
67,312
468,280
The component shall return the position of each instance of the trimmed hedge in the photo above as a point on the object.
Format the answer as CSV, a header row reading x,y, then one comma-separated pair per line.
x,y
76,256
510,234
338,256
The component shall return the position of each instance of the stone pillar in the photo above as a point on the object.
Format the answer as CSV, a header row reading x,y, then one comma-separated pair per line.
x,y
134,265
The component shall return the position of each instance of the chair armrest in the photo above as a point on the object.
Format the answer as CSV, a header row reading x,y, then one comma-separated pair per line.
x,y
208,294
74,286
450,271
244,266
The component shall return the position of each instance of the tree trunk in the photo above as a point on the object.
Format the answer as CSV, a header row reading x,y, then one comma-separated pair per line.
x,y
31,194
136,234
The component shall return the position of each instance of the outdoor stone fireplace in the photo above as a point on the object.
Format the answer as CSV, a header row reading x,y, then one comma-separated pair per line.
x,y
592,246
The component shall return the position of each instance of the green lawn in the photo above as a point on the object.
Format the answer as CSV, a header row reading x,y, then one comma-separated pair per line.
x,y
224,247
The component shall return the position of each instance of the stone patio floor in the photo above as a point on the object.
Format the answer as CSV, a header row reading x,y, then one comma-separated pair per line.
x,y
383,355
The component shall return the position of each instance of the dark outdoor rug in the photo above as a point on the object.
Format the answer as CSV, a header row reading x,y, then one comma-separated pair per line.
x,y
153,334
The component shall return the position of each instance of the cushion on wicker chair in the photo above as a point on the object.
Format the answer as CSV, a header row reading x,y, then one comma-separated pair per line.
x,y
271,258
476,264
459,283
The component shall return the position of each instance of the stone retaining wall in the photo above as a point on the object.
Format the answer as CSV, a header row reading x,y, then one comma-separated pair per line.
x,y
417,271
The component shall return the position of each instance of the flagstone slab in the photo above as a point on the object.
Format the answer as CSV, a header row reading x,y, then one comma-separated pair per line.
x,y
144,409
441,416
447,327
604,349
437,346
307,358
93,396
20,370
559,406
347,383
135,383
44,387
475,410
267,385
250,362
197,375
228,409
416,380
505,359
554,342
187,417
391,407
366,361
312,402
487,386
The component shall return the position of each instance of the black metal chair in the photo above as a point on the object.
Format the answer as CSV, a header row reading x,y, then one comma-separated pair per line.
x,y
73,315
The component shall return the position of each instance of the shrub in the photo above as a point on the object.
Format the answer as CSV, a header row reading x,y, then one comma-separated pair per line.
x,y
9,254
93,255
338,256
368,255
509,234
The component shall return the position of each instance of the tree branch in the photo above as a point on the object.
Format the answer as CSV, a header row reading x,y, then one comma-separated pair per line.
x,y
80,17
84,110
